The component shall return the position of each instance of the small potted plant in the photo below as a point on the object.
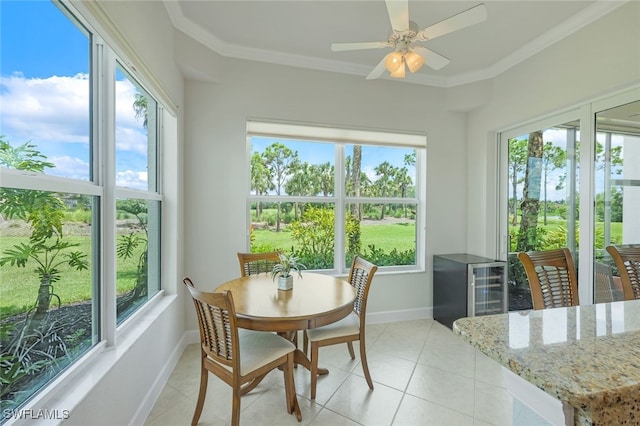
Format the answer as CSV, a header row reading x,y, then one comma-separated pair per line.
x,y
282,270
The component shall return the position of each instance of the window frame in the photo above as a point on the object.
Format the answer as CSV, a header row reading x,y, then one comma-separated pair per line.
x,y
101,185
340,137
585,113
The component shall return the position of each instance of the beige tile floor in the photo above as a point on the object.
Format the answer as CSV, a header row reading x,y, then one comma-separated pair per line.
x,y
423,375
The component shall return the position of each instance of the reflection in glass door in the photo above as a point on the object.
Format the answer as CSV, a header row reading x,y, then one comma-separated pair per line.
x,y
542,200
617,192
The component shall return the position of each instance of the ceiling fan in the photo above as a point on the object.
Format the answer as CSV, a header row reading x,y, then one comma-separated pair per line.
x,y
405,36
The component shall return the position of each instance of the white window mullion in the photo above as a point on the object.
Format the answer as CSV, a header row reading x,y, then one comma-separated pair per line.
x,y
104,149
19,179
339,207
586,203
421,216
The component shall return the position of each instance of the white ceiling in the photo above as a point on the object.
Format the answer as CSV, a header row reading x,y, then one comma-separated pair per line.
x,y
300,33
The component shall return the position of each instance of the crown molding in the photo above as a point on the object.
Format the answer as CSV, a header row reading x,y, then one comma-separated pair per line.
x,y
585,17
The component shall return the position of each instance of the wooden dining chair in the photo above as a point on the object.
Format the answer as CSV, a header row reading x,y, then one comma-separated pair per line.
x,y
627,260
256,263
552,278
348,329
238,357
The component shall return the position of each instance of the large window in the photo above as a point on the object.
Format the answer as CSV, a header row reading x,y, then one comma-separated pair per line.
x,y
328,195
80,199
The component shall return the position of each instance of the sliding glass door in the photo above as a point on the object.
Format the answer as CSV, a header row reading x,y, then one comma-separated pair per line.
x,y
561,189
617,191
541,197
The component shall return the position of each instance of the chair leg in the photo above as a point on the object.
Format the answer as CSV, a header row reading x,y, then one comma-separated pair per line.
x,y
314,369
351,352
290,389
235,408
365,366
204,377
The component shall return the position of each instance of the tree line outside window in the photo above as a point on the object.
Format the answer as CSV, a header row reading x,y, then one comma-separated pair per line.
x,y
300,200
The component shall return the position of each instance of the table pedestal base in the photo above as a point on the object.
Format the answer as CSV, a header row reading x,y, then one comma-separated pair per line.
x,y
299,358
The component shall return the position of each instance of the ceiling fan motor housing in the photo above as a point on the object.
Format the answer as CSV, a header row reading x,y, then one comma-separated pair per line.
x,y
401,40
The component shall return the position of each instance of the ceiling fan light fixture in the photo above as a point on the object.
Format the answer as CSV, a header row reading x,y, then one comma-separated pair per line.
x,y
394,62
414,61
399,73
406,33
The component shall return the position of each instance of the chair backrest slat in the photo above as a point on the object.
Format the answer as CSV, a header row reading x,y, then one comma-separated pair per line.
x,y
257,263
217,323
552,278
360,277
627,260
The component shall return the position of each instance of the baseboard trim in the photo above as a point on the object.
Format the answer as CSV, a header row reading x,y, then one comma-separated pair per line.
x,y
161,381
401,315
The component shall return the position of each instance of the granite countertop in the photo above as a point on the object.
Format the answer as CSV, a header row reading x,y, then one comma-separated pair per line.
x,y
586,356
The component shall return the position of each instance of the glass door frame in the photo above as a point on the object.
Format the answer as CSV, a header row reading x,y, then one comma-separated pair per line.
x,y
547,122
586,114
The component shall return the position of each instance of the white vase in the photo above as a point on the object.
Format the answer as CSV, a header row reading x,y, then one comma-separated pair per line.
x,y
285,283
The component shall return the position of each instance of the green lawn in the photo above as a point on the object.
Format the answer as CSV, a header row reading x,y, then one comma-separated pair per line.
x,y
385,236
554,223
19,287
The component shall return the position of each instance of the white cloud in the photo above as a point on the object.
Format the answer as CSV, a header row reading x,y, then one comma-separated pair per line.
x,y
54,114
73,167
132,179
45,110
130,133
128,139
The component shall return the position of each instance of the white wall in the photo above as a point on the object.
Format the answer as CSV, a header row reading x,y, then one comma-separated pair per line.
x,y
597,60
461,150
216,178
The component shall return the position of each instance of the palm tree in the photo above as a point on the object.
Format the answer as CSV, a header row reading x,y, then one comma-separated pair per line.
x,y
530,207
517,166
356,181
260,179
384,184
140,105
44,212
281,162
403,182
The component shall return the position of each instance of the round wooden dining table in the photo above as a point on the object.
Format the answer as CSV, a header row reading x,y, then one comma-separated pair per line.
x,y
315,300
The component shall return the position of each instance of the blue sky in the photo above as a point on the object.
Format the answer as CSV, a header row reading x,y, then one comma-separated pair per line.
x,y
44,94
32,20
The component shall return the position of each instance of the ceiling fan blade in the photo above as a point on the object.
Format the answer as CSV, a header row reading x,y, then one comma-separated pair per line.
x,y
431,58
398,14
464,19
378,70
341,47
